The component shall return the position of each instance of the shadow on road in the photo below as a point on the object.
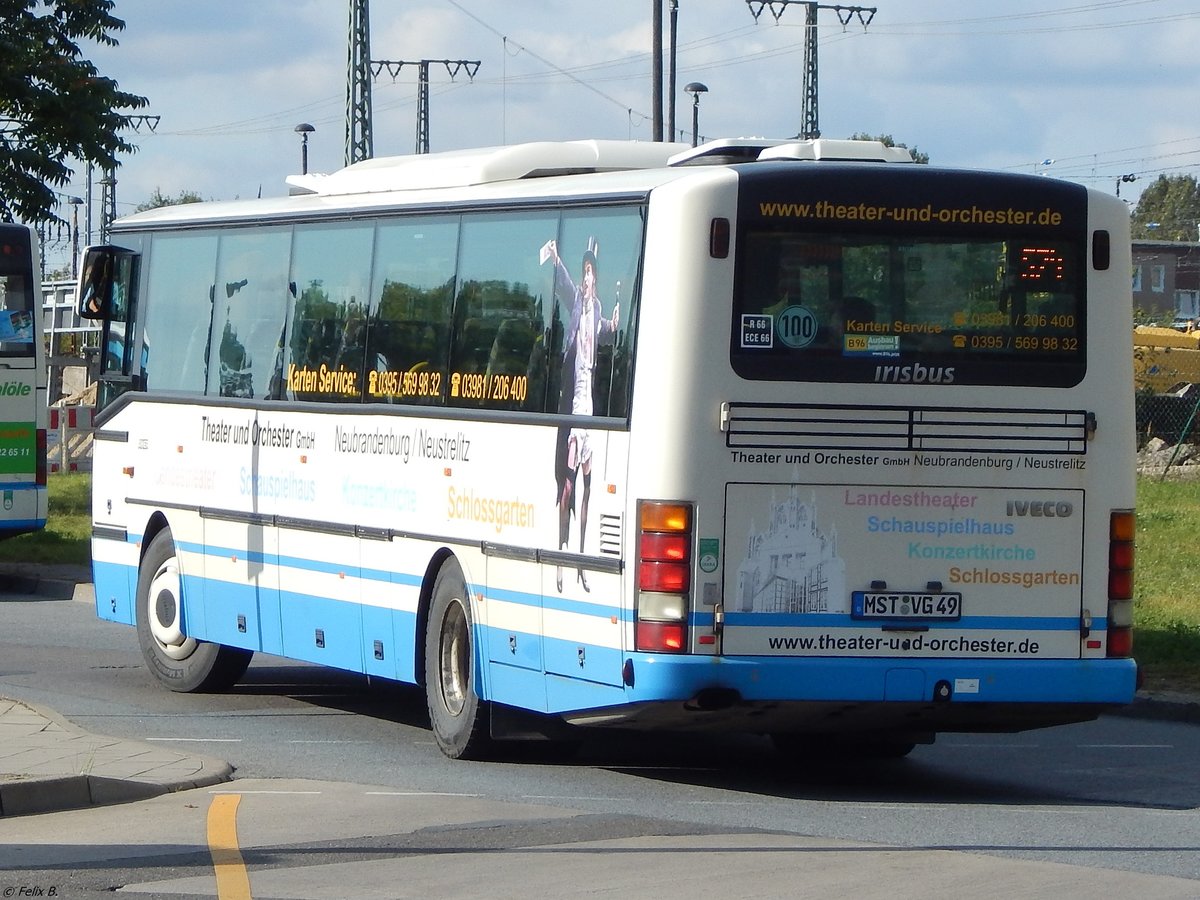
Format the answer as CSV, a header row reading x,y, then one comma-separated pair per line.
x,y
1047,767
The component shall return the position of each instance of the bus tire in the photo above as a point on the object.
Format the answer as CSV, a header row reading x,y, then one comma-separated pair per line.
x,y
458,717
180,662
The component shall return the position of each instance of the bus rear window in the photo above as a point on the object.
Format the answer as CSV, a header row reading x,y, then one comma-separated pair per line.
x,y
16,296
821,307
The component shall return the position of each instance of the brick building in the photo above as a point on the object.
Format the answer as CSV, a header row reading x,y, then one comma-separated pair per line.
x,y
1166,280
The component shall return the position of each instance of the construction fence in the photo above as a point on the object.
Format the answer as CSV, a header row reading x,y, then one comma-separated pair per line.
x,y
71,348
1167,384
69,434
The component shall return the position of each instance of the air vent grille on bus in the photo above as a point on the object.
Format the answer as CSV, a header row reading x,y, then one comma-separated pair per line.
x,y
802,426
610,534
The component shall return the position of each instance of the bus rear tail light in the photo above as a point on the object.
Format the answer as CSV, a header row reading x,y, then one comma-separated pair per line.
x,y
664,576
661,637
1121,533
40,465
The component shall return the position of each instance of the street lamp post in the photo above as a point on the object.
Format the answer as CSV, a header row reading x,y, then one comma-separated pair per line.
x,y
75,204
695,88
673,6
304,130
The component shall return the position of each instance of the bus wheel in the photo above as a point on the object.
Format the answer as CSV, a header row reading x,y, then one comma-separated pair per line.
x,y
180,662
458,717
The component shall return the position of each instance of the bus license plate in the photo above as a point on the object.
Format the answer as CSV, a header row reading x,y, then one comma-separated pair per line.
x,y
939,605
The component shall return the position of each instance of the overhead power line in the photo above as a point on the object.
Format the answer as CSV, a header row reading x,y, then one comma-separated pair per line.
x,y
810,125
453,66
523,49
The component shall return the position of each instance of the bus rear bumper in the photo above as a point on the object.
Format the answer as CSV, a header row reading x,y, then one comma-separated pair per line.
x,y
769,694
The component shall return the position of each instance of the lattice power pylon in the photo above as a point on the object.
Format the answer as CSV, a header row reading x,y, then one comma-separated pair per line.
x,y
453,67
358,85
810,125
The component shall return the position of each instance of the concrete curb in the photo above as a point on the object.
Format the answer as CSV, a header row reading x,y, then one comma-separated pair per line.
x,y
24,585
49,765
1175,708
31,796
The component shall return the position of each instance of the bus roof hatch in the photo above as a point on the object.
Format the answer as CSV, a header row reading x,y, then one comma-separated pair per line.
x,y
825,149
459,168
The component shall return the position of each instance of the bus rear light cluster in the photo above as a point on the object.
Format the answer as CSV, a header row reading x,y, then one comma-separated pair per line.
x,y
1121,533
41,464
664,576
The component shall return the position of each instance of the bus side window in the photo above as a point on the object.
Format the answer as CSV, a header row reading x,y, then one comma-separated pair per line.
x,y
614,238
328,288
409,314
505,288
251,308
175,336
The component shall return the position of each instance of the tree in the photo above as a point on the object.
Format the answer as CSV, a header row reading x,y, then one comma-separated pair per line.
x,y
54,105
1168,210
158,199
888,141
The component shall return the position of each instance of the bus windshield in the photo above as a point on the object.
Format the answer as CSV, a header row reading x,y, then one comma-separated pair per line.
x,y
16,296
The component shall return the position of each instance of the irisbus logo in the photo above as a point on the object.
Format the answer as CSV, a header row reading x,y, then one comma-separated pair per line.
x,y
15,389
915,374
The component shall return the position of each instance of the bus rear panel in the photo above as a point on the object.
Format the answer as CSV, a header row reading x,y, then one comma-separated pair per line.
x,y
23,412
910,481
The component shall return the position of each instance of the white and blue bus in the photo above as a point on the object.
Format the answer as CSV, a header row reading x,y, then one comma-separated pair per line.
x,y
23,409
796,438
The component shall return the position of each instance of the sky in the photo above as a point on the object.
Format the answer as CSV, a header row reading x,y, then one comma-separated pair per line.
x,y
1086,91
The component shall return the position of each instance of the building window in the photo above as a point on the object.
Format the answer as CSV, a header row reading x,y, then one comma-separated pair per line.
x,y
1158,279
1137,279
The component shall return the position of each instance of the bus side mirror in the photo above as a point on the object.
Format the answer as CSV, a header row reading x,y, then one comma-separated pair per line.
x,y
94,300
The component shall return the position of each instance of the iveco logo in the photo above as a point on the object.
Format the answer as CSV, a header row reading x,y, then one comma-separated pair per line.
x,y
1048,509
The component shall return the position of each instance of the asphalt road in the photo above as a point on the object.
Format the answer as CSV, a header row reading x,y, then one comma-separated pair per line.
x,y
1108,807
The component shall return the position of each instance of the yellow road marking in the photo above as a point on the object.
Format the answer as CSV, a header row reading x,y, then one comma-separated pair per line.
x,y
233,883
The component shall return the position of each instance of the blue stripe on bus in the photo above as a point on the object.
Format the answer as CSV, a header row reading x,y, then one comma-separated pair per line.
x,y
561,604
526,598
386,576
966,623
700,619
22,486
12,524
